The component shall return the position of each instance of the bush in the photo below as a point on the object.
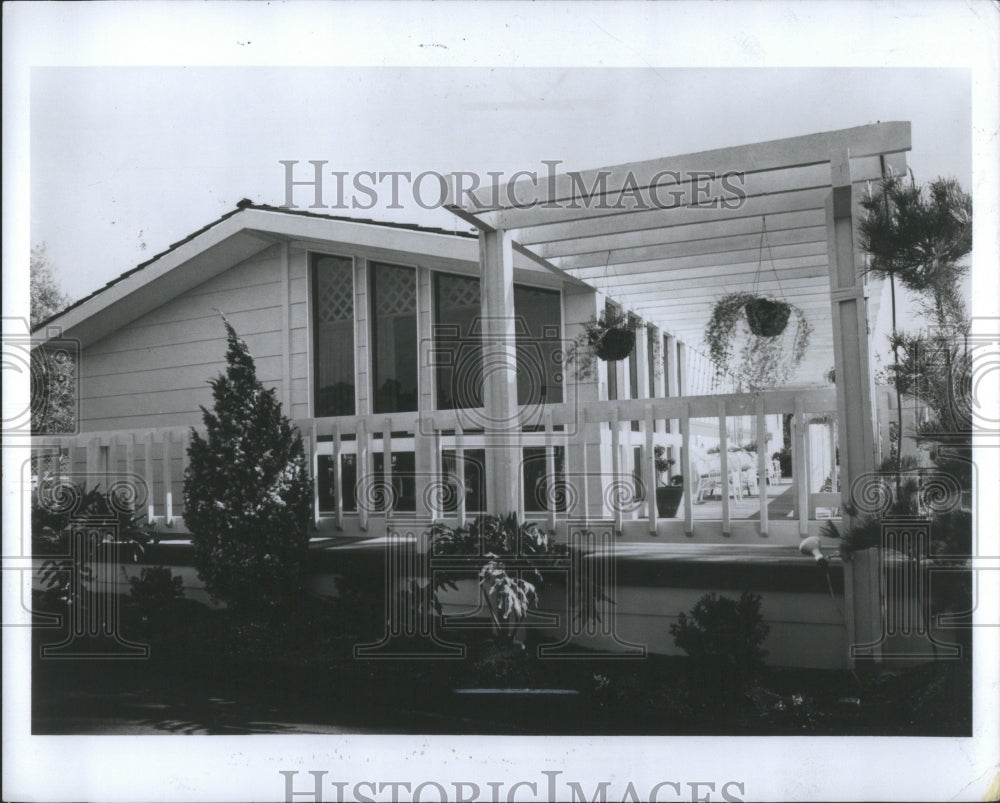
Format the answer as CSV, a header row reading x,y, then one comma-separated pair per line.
x,y
247,493
724,639
154,590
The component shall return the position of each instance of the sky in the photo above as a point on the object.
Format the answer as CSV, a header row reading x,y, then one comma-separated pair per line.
x,y
126,160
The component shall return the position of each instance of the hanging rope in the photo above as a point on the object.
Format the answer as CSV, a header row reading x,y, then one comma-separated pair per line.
x,y
770,258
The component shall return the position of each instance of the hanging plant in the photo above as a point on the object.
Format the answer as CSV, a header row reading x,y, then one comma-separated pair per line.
x,y
758,360
767,356
610,337
767,317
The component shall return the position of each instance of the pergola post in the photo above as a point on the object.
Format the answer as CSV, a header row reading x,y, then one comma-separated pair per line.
x,y
854,403
502,426
583,457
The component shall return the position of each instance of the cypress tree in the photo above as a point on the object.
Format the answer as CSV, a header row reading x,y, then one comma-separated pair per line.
x,y
247,493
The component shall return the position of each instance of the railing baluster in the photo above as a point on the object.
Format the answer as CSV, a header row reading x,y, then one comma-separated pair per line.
x,y
550,468
649,471
168,481
727,525
802,469
685,424
762,464
314,464
616,498
148,461
338,491
460,470
387,467
130,459
93,453
363,472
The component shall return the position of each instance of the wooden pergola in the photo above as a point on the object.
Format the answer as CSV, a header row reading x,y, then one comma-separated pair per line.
x,y
666,238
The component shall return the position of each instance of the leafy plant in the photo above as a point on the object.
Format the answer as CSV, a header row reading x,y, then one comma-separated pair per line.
x,y
492,546
247,493
757,360
58,505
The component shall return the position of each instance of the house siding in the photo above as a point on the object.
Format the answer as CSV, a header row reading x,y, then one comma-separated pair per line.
x,y
154,372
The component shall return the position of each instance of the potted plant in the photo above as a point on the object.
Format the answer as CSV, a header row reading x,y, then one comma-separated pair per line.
x,y
668,497
748,337
610,338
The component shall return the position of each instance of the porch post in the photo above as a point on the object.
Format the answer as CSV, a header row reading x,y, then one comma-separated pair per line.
x,y
502,426
424,437
583,455
854,403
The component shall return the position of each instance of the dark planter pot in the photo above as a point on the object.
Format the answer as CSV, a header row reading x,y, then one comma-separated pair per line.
x,y
668,499
616,344
767,317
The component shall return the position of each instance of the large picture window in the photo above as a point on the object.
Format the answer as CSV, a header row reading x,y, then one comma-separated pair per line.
x,y
539,345
333,294
394,338
458,349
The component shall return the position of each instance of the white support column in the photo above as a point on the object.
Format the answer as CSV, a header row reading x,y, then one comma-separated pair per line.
x,y
854,403
425,458
583,451
500,371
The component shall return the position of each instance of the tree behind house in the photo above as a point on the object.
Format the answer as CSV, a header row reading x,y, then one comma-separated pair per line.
x,y
247,494
53,369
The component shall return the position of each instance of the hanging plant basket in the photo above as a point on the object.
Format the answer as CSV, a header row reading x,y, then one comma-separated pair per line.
x,y
609,338
759,359
615,344
767,317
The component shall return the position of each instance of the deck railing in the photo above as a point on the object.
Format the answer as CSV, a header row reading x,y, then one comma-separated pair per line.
x,y
599,442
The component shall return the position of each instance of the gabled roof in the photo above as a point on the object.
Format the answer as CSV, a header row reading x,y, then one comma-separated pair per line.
x,y
240,206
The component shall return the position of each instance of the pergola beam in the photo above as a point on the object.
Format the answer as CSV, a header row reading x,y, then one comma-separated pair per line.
x,y
672,264
691,232
718,245
642,220
780,154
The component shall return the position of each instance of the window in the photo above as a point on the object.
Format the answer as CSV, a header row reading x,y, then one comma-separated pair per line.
x,y
394,338
458,352
333,294
537,493
539,345
474,467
